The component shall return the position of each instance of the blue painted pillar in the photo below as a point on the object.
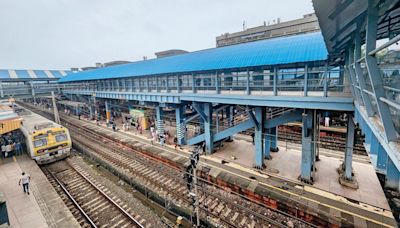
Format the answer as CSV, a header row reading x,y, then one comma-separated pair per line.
x,y
180,125
258,137
208,128
392,175
274,139
160,122
91,112
216,121
307,149
348,159
374,145
267,144
382,159
368,134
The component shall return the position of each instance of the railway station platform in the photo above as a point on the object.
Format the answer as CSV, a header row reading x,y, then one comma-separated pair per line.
x,y
362,207
43,207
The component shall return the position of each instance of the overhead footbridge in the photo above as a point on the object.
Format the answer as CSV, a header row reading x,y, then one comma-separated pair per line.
x,y
362,36
276,81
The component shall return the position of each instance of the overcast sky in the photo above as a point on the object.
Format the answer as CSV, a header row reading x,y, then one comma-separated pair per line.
x,y
60,34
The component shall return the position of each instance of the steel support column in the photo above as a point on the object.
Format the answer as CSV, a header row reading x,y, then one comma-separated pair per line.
x,y
258,137
275,78
180,125
248,83
374,73
208,128
326,75
306,80
392,175
307,149
348,159
267,143
274,139
353,78
381,160
348,75
229,117
360,75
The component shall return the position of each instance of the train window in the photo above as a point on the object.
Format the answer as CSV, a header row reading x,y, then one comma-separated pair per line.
x,y
40,142
61,137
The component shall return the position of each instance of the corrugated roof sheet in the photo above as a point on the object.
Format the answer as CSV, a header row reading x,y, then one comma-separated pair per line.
x,y
9,74
282,50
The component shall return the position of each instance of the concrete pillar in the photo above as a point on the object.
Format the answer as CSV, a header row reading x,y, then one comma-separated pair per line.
x,y
208,128
307,149
258,138
180,125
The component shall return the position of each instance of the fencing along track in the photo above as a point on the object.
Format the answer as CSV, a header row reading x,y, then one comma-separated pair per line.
x,y
219,207
91,203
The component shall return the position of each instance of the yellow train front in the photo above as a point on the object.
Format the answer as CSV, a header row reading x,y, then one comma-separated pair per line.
x,y
46,141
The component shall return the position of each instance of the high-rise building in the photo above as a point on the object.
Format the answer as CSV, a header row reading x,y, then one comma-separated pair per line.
x,y
309,23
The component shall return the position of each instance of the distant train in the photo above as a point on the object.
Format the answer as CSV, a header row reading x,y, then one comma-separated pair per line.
x,y
46,141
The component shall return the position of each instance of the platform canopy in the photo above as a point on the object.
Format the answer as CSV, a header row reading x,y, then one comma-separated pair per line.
x,y
29,75
338,20
276,51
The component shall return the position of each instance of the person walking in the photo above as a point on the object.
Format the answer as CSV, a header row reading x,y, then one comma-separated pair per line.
x,y
3,150
8,150
18,148
175,142
25,179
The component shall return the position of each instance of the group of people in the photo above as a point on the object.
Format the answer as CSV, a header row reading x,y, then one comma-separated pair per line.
x,y
12,144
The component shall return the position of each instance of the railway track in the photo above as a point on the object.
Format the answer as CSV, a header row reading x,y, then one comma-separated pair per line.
x,y
221,208
92,204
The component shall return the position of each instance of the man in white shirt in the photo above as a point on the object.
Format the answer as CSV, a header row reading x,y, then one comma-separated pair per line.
x,y
8,150
327,119
25,179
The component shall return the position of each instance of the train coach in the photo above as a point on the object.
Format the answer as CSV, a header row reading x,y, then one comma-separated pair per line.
x,y
46,141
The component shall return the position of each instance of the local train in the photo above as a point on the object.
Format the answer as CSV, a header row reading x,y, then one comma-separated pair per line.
x,y
46,141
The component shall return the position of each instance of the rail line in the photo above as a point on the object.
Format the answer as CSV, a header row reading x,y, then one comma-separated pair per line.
x,y
92,204
215,205
168,180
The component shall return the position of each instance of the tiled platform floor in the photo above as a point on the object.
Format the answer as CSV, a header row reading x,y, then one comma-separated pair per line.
x,y
286,163
42,208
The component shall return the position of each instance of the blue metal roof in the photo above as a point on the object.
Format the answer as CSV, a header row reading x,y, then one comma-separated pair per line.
x,y
17,75
282,50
